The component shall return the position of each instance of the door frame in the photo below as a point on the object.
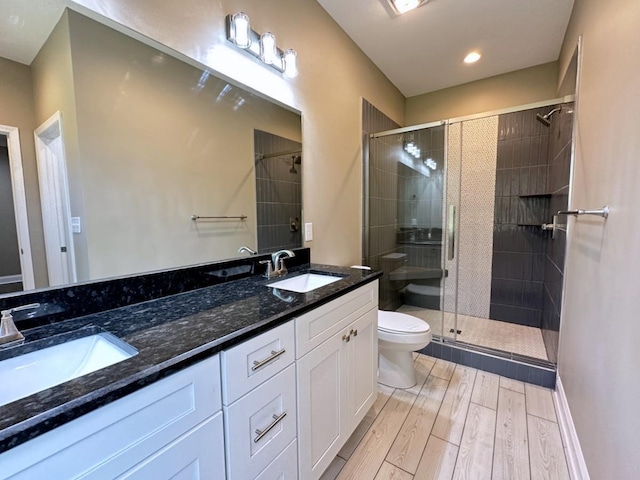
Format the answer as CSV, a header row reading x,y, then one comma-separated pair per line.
x,y
20,204
60,223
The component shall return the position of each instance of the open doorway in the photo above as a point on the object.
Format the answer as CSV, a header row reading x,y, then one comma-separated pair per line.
x,y
16,266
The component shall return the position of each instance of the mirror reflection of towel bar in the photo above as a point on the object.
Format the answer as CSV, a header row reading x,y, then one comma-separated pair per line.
x,y
602,212
222,217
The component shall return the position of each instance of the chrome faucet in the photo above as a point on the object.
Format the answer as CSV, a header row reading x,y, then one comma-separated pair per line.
x,y
9,333
276,266
247,250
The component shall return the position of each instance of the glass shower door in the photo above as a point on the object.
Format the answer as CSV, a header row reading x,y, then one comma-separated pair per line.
x,y
405,220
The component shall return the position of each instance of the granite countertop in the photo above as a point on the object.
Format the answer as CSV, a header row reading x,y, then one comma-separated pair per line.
x,y
170,334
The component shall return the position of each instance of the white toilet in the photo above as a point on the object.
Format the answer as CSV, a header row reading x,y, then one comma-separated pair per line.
x,y
399,334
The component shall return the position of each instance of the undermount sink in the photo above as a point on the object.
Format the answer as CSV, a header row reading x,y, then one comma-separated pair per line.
x,y
32,372
305,283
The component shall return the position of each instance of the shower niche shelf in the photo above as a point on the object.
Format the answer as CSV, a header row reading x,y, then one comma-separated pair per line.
x,y
536,195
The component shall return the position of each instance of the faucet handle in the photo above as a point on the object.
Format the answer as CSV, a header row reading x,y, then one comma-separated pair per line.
x,y
269,272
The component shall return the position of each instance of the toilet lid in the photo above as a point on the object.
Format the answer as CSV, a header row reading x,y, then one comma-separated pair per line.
x,y
396,322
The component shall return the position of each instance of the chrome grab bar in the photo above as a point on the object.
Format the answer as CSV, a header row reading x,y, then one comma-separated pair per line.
x,y
276,420
602,212
258,364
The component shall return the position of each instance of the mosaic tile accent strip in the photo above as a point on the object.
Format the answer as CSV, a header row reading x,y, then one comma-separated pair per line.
x,y
477,183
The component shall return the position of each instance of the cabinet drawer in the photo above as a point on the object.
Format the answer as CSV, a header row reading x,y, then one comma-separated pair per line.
x,y
249,452
197,455
284,467
251,363
320,324
112,439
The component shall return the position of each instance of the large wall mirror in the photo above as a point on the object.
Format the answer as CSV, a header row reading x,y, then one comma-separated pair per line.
x,y
121,145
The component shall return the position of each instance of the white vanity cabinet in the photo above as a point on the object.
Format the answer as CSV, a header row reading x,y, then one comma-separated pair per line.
x,y
171,428
337,350
260,411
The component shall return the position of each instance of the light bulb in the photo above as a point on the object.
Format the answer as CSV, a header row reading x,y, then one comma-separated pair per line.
x,y
290,63
268,51
241,30
403,6
472,57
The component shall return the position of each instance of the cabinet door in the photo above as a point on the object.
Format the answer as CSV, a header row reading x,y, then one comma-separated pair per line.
x,y
199,455
362,366
322,397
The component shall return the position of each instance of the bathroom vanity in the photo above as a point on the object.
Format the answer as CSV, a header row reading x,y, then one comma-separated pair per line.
x,y
238,380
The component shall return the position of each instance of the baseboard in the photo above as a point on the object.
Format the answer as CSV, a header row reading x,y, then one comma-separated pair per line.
x,y
575,459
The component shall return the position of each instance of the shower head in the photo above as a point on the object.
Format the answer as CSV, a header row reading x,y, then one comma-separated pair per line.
x,y
544,119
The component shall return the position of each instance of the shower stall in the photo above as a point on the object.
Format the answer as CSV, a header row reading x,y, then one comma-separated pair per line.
x,y
455,215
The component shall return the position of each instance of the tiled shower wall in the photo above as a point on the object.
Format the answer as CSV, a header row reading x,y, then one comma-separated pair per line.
x,y
379,236
521,207
278,192
559,177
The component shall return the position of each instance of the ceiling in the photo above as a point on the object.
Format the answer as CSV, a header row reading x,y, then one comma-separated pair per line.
x,y
422,50
25,25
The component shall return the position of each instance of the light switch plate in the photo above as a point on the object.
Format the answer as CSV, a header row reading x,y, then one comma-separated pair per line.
x,y
308,232
76,225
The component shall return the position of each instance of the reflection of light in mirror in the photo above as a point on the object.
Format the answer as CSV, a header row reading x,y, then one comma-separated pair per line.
x,y
234,64
158,59
223,92
202,81
239,103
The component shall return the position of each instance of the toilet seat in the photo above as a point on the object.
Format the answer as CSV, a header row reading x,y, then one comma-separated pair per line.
x,y
401,324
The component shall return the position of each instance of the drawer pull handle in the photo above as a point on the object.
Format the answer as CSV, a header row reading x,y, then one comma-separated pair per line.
x,y
346,338
274,355
354,332
276,420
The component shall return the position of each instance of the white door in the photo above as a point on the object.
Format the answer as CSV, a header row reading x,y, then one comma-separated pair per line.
x,y
54,197
362,364
322,395
19,204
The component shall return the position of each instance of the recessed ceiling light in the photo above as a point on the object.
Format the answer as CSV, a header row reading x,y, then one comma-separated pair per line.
x,y
403,6
473,57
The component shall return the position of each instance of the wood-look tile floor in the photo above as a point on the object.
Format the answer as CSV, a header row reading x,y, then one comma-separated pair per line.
x,y
456,423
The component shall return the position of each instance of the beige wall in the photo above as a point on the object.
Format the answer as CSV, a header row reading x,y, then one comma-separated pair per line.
x,y
155,148
599,354
53,92
334,75
512,89
17,110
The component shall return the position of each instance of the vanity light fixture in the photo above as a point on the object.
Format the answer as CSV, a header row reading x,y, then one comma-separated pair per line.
x,y
262,46
472,57
404,6
429,162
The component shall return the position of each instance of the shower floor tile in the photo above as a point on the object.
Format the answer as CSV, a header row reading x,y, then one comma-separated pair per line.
x,y
484,332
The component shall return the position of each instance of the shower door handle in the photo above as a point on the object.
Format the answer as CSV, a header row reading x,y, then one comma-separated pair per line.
x,y
451,234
